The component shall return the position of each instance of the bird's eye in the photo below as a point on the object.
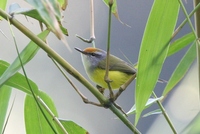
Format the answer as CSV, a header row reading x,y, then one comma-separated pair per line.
x,y
93,54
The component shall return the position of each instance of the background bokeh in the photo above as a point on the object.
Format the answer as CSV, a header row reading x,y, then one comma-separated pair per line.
x,y
181,103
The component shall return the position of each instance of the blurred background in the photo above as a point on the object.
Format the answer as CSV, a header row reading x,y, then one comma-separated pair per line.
x,y
181,104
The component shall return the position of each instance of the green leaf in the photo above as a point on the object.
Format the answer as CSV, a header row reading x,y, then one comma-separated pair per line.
x,y
17,81
114,6
33,13
157,111
114,10
148,104
5,93
3,6
50,13
153,51
73,128
181,69
63,4
35,122
26,55
180,43
193,126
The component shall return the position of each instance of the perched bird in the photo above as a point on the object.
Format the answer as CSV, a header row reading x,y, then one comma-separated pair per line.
x,y
94,61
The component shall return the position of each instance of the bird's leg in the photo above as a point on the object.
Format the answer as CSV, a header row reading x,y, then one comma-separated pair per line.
x,y
107,80
123,87
101,89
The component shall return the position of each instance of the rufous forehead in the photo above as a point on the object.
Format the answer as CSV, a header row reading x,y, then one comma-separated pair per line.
x,y
90,50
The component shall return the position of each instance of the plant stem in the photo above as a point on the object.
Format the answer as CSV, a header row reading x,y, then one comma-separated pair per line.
x,y
107,80
102,99
197,41
197,27
165,114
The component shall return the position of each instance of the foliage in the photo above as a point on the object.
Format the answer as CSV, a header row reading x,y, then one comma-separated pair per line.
x,y
40,113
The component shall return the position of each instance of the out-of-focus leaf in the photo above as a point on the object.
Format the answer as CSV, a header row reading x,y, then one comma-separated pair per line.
x,y
26,55
50,12
63,4
73,128
181,69
35,122
180,43
157,111
33,13
154,48
193,126
17,81
5,93
148,104
114,10
3,6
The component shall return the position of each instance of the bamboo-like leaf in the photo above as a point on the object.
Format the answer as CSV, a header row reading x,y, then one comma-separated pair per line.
x,y
180,43
35,122
181,69
33,13
157,111
5,93
50,12
17,81
148,104
26,55
153,51
73,128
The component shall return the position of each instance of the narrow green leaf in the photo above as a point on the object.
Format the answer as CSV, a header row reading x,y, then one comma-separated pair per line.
x,y
26,55
154,112
153,51
35,122
148,104
5,93
17,81
180,43
181,69
73,128
3,6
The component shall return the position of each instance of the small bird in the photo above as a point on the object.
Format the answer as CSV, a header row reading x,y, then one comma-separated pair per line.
x,y
94,62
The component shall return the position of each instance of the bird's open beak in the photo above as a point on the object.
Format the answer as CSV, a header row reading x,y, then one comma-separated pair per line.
x,y
78,49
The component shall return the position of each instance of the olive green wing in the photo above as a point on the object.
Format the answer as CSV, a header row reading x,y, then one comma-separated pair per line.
x,y
116,64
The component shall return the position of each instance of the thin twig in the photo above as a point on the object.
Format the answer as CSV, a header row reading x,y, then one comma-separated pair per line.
x,y
124,86
23,69
92,35
165,114
85,100
197,26
34,96
106,77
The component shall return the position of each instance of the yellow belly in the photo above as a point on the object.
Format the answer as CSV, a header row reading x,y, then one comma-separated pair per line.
x,y
117,78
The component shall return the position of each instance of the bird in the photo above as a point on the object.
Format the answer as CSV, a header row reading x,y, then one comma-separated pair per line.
x,y
94,62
